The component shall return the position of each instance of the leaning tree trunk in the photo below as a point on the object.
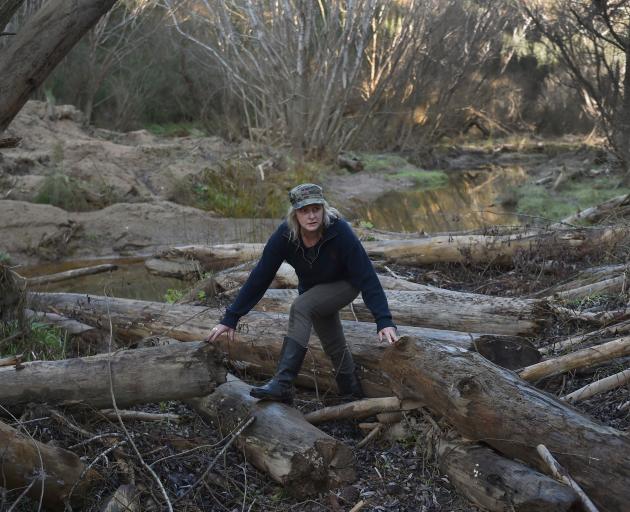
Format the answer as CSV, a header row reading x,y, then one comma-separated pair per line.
x,y
258,344
7,9
488,404
280,442
148,375
42,42
23,458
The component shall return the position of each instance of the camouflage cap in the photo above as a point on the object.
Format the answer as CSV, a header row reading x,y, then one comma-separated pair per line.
x,y
305,194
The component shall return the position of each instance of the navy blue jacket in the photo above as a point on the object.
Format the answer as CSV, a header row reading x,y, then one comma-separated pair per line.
x,y
340,257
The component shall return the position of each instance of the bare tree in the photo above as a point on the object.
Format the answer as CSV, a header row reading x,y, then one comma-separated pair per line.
x,y
39,46
592,38
7,10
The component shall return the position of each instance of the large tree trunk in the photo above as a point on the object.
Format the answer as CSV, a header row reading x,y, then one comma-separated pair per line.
x,y
488,404
448,248
440,309
44,40
21,458
280,442
7,9
496,249
257,345
171,372
499,484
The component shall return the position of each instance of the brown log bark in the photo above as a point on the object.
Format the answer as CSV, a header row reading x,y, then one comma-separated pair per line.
x,y
498,484
44,40
23,460
441,309
280,442
488,404
259,340
172,372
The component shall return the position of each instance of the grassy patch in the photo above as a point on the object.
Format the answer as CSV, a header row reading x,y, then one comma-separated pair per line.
x,y
63,191
235,189
172,295
177,130
576,195
378,162
38,341
423,179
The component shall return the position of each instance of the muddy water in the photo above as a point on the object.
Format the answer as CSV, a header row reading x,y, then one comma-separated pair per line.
x,y
131,280
470,200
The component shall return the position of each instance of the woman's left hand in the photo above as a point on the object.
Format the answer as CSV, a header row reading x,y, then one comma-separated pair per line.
x,y
388,334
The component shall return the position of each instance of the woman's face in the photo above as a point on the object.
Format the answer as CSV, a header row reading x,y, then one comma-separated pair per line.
x,y
310,217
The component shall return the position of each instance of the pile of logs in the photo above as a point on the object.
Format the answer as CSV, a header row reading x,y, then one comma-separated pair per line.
x,y
463,357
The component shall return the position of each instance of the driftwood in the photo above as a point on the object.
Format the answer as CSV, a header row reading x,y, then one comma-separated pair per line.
x,y
257,345
614,209
70,274
280,442
180,268
360,409
583,279
171,372
600,386
573,341
578,359
489,404
560,473
138,415
15,360
611,286
448,248
24,461
440,309
499,484
496,249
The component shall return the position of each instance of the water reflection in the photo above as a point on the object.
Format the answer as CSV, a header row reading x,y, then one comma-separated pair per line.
x,y
470,200
130,281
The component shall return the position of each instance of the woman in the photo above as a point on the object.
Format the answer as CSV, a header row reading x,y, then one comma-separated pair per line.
x,y
332,268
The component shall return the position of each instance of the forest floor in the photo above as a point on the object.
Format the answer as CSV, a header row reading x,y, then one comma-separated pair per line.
x,y
134,193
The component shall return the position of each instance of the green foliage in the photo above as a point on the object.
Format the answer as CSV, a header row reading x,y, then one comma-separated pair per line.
x,y
201,295
172,295
423,179
235,189
63,191
39,341
575,195
183,129
366,224
4,257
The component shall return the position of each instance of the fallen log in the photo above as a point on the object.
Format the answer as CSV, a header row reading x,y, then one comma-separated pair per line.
x,y
499,484
26,462
600,386
440,309
611,286
560,473
259,340
360,409
584,278
573,341
496,249
489,404
179,268
578,359
171,372
70,274
215,257
614,209
280,442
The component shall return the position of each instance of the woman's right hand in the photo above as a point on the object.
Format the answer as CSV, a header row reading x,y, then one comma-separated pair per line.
x,y
218,330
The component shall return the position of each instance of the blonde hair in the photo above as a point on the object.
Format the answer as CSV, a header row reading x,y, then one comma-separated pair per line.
x,y
330,214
